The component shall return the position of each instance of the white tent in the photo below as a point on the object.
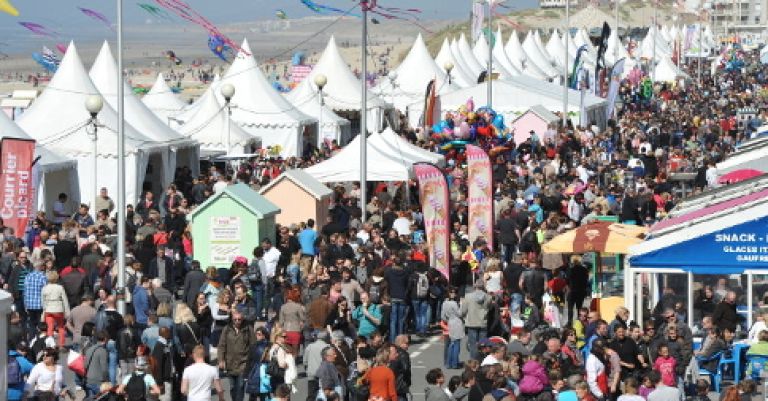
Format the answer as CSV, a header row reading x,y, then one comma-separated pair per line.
x,y
519,58
664,33
556,49
535,57
58,120
615,50
59,174
514,51
454,45
582,38
162,101
647,47
343,92
541,46
413,75
331,127
459,75
209,125
481,53
514,97
262,111
391,143
345,165
469,57
500,56
180,151
667,71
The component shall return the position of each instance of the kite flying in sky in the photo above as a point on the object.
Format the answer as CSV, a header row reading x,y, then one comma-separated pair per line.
x,y
97,16
8,8
61,47
281,14
185,11
154,10
38,29
319,8
47,59
219,48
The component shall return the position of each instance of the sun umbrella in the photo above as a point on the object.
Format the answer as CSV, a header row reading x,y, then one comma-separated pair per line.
x,y
739,175
599,236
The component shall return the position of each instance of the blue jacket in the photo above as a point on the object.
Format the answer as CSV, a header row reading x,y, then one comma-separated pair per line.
x,y
15,392
141,303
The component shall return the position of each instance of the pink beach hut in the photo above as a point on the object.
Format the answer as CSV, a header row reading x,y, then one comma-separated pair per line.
x,y
537,119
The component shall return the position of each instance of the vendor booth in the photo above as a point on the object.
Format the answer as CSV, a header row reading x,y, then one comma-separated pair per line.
x,y
690,261
231,223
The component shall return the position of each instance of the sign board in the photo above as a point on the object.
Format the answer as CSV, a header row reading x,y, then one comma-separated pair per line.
x,y
730,250
299,72
224,239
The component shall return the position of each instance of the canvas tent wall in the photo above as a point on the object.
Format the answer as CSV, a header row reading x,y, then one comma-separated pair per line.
x,y
162,101
58,120
334,128
345,165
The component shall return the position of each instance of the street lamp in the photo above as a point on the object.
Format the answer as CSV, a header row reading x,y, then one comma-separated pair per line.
x,y
489,75
320,80
448,68
228,91
94,104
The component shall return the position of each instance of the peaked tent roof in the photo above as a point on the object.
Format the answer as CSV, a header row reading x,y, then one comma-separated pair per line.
x,y
259,105
458,75
58,118
463,62
161,100
308,183
667,71
556,49
344,166
49,161
343,90
500,56
615,47
541,46
404,149
104,75
413,75
481,53
517,55
307,99
208,125
469,57
535,56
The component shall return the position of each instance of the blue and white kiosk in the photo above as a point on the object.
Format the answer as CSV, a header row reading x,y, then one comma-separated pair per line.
x,y
718,239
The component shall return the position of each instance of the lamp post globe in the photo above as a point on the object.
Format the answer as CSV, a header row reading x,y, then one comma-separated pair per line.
x,y
228,91
321,80
94,104
392,75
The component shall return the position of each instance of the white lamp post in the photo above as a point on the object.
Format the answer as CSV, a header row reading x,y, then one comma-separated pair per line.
x,y
489,75
320,80
228,91
448,68
94,104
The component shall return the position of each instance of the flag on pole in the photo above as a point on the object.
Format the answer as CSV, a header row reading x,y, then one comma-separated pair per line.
x,y
478,17
433,194
577,66
602,47
613,90
480,194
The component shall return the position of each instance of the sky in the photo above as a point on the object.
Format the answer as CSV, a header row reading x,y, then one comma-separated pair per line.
x,y
64,13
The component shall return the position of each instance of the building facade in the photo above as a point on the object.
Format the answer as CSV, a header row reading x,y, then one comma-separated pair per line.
x,y
731,16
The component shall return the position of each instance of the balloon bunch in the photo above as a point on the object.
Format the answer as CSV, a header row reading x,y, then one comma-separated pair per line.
x,y
467,125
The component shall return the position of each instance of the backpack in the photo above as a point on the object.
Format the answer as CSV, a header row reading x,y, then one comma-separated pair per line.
x,y
254,272
131,283
15,376
273,368
422,285
253,385
136,389
374,293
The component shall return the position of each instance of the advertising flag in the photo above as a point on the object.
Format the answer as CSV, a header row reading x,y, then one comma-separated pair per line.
x,y
16,198
480,196
433,193
613,90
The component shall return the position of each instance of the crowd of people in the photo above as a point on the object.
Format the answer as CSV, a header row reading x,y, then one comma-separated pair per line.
x,y
341,300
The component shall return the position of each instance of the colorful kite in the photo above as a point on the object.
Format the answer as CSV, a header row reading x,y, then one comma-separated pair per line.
x,y
185,11
8,8
154,10
97,16
319,8
171,55
220,48
47,59
281,14
61,47
38,29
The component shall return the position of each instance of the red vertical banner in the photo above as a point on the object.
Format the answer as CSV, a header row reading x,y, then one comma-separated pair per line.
x,y
433,193
480,196
16,195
